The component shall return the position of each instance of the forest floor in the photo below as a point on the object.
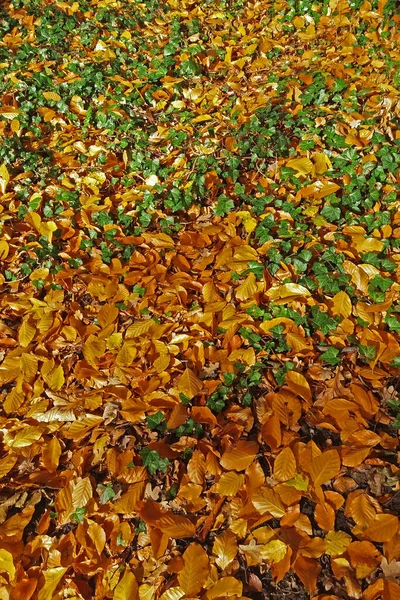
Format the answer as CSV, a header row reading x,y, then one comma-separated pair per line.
x,y
199,300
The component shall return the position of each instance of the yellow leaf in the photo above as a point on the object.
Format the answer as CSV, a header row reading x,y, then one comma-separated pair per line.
x,y
287,292
139,328
15,125
6,464
265,500
201,118
4,178
26,332
4,249
97,535
247,289
93,349
302,165
195,571
52,96
229,484
7,563
174,593
26,437
325,466
249,222
285,465
189,384
162,362
225,587
341,305
364,245
52,578
56,378
274,551
82,492
225,548
107,315
337,542
322,162
298,384
127,588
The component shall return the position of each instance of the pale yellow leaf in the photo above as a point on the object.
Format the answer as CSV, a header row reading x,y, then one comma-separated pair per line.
x,y
225,548
274,551
82,492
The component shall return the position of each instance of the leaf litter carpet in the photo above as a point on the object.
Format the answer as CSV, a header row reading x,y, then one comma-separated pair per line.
x,y
199,302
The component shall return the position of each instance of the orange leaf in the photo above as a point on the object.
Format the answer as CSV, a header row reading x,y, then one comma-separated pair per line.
x,y
189,384
325,467
382,529
285,465
240,457
265,500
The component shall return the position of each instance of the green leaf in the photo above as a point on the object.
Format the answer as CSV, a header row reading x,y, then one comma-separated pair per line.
x,y
153,461
331,213
331,356
369,352
107,493
78,516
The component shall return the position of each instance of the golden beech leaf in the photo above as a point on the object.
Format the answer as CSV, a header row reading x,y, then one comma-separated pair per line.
x,y
382,529
173,593
51,453
52,578
285,465
240,456
189,384
325,467
26,333
274,551
225,587
97,535
247,288
107,315
56,378
337,542
229,484
282,294
196,468
299,385
82,492
302,165
4,178
7,463
225,548
265,500
362,511
139,328
127,588
176,526
195,571
7,563
341,305
307,570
